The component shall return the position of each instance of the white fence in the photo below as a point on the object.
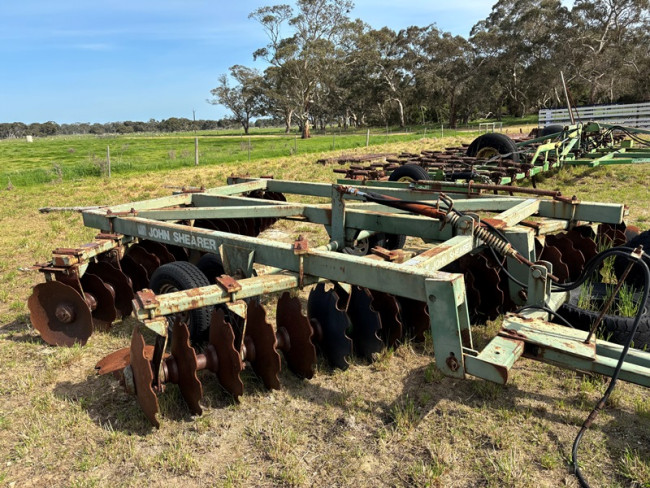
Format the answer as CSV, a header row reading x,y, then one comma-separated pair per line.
x,y
632,115
490,127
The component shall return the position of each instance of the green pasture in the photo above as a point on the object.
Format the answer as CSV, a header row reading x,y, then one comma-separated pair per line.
x,y
64,158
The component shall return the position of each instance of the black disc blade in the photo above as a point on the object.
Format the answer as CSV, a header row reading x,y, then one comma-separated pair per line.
x,y
366,324
332,323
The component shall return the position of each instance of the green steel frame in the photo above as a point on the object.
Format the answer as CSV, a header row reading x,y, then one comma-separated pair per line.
x,y
419,277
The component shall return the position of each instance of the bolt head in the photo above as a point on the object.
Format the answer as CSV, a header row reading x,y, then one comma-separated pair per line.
x,y
64,313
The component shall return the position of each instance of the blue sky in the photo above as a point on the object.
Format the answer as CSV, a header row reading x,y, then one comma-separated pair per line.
x,y
98,61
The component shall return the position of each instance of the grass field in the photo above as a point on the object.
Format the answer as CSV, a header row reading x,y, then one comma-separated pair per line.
x,y
397,422
64,158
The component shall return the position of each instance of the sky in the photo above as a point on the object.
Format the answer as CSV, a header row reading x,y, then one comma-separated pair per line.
x,y
106,61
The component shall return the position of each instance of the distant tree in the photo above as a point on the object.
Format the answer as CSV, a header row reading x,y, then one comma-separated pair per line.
x,y
516,44
175,124
97,129
609,48
244,99
301,60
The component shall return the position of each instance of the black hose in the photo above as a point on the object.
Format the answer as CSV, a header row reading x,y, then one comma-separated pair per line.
x,y
601,403
591,265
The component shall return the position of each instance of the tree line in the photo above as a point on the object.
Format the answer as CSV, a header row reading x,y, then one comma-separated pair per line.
x,y
173,124
325,67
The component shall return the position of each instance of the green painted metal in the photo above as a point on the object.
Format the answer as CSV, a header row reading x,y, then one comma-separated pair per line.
x,y
523,240
495,360
449,321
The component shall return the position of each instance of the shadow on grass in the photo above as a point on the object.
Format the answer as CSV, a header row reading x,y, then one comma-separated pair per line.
x,y
20,330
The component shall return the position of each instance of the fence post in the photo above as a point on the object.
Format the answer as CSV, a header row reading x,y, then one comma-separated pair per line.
x,y
295,145
442,130
367,137
196,151
108,160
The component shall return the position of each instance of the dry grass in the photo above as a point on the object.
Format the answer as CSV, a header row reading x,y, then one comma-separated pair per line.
x,y
396,423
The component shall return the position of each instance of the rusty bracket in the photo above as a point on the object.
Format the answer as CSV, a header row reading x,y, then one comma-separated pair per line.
x,y
229,284
146,299
110,237
300,245
572,199
71,251
396,256
496,223
132,213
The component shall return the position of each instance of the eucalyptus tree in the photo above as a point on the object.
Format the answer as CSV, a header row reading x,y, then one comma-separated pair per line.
x,y
244,99
518,44
302,59
609,52
442,65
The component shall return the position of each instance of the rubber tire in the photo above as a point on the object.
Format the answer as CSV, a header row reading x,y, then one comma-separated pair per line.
x,y
413,171
373,241
551,129
183,276
500,142
211,266
614,328
636,276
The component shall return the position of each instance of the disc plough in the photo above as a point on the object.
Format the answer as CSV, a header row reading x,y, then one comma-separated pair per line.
x,y
497,159
196,269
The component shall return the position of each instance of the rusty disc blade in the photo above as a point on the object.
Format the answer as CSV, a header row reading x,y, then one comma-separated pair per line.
x,y
135,272
104,313
631,231
159,250
388,308
554,256
220,225
143,378
234,226
472,293
585,245
246,227
274,195
366,324
230,365
332,324
118,281
415,317
488,282
612,234
60,314
573,258
300,353
266,362
120,359
185,361
143,257
207,224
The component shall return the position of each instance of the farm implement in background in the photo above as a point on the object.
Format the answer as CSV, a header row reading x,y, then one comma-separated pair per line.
x,y
193,269
495,158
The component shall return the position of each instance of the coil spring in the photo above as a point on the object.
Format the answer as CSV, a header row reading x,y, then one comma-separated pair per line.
x,y
495,242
